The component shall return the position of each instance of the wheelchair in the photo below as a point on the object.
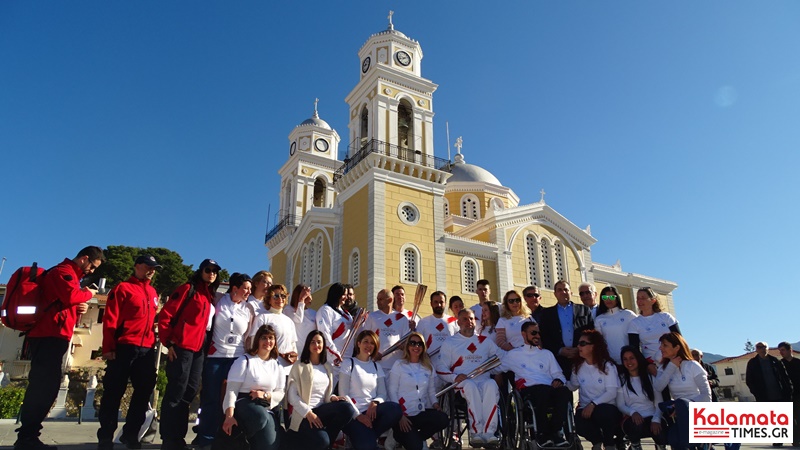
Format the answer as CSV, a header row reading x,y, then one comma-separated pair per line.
x,y
521,429
455,406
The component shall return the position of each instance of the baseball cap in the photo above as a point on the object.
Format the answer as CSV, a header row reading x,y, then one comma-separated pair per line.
x,y
149,260
209,262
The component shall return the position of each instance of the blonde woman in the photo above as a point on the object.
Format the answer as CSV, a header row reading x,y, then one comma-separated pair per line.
x,y
412,385
509,326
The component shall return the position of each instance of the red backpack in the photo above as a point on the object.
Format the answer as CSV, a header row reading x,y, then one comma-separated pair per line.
x,y
23,303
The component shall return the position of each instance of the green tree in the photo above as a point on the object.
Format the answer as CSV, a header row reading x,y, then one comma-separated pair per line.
x,y
119,267
749,347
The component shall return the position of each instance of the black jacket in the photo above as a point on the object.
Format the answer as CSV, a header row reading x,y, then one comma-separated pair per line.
x,y
550,327
755,379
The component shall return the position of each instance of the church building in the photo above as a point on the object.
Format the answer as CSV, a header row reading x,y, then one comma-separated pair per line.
x,y
387,211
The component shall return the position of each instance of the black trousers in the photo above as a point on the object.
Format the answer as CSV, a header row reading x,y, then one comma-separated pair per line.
x,y
423,426
138,364
44,380
602,426
183,382
637,432
334,417
544,396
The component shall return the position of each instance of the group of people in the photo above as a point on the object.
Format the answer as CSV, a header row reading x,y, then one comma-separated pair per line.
x,y
283,374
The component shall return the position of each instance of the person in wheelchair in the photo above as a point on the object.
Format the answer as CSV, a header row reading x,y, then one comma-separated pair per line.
x,y
460,355
539,379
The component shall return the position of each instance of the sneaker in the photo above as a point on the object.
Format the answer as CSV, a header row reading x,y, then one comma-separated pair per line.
x,y
389,443
32,444
636,446
545,442
132,442
436,443
492,439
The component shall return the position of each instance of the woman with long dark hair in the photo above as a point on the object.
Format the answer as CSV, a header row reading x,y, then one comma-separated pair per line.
x,y
638,401
594,372
182,329
317,416
687,381
362,380
299,310
285,332
412,385
256,386
612,321
232,317
334,322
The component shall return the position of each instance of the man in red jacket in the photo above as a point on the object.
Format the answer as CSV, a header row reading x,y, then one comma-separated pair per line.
x,y
49,341
128,346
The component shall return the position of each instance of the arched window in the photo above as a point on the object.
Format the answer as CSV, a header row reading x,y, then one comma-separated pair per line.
x,y
405,125
355,265
533,260
318,264
547,275
469,275
561,263
364,126
305,266
446,208
319,192
410,264
469,207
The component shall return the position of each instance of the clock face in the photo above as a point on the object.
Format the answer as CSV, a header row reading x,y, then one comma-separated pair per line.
x,y
321,145
403,58
292,148
365,64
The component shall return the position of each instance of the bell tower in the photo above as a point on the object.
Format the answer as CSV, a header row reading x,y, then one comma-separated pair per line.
x,y
392,105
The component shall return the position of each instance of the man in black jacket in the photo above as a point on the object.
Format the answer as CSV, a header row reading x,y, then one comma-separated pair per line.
x,y
713,378
792,365
562,326
767,378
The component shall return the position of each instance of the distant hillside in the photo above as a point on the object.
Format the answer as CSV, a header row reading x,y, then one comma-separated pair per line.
x,y
711,358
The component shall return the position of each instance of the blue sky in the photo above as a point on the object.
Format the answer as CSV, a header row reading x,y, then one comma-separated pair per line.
x,y
669,127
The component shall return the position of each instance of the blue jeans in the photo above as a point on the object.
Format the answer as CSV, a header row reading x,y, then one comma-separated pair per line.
x,y
678,432
364,438
334,417
423,426
259,425
215,372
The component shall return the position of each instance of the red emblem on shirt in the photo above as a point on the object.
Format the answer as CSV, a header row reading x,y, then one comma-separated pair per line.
x,y
388,322
472,347
428,342
402,403
451,319
398,316
481,339
458,362
339,331
440,327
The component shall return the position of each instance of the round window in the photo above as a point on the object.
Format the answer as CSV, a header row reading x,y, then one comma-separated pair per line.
x,y
408,213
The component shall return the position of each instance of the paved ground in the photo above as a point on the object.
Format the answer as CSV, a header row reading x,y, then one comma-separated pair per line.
x,y
69,435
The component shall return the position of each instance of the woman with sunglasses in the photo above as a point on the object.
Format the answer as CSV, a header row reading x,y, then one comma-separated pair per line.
x,y
255,387
362,381
595,374
612,321
317,416
687,381
509,326
299,310
231,320
182,326
646,329
285,331
412,385
638,401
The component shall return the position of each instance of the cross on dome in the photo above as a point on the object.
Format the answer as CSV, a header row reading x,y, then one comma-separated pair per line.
x,y
391,25
458,145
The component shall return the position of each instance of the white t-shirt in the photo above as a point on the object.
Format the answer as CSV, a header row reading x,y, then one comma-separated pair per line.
x,y
630,402
389,328
689,382
614,325
435,331
231,321
513,327
285,333
650,328
253,373
363,382
304,321
595,386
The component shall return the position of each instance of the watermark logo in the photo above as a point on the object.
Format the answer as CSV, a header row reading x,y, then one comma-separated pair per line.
x,y
745,423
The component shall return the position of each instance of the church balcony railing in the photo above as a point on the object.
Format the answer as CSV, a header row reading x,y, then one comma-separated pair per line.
x,y
287,220
385,148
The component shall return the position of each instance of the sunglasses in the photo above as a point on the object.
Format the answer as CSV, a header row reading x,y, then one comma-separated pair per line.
x,y
583,343
584,292
532,295
608,297
283,296
415,343
514,300
210,270
533,332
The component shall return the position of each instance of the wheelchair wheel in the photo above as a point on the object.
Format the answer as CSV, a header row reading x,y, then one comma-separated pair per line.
x,y
513,431
451,435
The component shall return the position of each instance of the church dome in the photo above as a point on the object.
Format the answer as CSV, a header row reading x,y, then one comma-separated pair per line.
x,y
463,172
315,120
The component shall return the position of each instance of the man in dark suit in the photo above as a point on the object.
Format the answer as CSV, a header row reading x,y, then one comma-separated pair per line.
x,y
562,324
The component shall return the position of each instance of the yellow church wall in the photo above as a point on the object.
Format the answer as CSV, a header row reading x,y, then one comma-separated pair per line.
x,y
277,267
399,233
355,224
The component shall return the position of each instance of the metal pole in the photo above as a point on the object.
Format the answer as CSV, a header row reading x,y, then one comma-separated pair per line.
x,y
2,264
80,413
